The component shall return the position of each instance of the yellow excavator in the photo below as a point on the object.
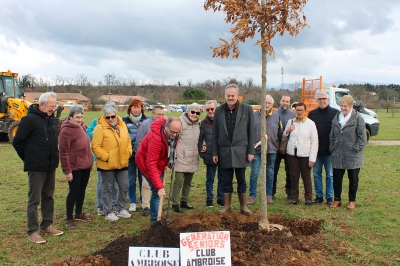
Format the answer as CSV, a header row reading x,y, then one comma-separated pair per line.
x,y
13,106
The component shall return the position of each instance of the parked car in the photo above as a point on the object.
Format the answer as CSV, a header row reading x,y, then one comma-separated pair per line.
x,y
176,109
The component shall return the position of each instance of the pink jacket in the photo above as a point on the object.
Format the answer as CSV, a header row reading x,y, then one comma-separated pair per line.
x,y
74,147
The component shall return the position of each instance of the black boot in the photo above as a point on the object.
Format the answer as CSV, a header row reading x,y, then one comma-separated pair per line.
x,y
176,208
185,205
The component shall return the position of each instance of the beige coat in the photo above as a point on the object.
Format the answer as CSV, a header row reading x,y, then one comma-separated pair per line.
x,y
187,153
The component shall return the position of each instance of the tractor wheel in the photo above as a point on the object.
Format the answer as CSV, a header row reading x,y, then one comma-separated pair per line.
x,y
12,130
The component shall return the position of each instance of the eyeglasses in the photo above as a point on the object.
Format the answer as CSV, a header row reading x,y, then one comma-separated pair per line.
x,y
209,109
322,99
111,116
194,112
300,111
173,132
78,117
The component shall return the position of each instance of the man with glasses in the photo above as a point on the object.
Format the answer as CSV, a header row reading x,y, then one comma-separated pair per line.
x,y
272,126
204,146
285,114
232,145
157,112
36,143
157,151
322,117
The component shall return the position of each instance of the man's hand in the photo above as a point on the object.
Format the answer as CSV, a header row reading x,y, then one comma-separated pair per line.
x,y
250,157
161,192
204,148
215,159
310,164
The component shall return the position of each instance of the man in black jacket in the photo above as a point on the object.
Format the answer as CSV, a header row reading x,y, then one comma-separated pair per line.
x,y
36,143
322,117
204,145
232,143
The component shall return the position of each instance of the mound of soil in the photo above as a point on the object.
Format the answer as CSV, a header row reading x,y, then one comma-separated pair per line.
x,y
299,243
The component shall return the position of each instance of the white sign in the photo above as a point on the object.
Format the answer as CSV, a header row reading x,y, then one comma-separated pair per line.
x,y
151,256
205,248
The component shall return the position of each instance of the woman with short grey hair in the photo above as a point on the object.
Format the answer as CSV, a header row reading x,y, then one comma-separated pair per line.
x,y
76,163
186,157
112,146
347,141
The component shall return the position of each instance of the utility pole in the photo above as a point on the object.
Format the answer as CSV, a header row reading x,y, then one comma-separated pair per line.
x,y
282,76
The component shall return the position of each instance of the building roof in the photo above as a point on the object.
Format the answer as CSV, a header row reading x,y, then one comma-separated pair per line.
x,y
121,98
31,96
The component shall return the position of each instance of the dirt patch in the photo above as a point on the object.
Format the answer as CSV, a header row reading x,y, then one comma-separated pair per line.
x,y
300,243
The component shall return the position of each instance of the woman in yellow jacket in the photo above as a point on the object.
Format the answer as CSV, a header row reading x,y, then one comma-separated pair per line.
x,y
112,146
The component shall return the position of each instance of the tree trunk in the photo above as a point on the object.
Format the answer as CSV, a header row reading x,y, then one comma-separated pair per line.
x,y
264,209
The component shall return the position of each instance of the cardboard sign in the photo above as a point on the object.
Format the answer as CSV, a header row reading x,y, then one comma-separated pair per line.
x,y
148,256
205,248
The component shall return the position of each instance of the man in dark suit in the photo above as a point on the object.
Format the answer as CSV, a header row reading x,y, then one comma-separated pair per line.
x,y
232,145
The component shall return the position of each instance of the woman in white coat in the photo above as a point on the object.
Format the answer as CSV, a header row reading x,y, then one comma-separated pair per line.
x,y
186,157
302,149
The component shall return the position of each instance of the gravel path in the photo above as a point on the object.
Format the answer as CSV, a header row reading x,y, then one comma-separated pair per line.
x,y
384,143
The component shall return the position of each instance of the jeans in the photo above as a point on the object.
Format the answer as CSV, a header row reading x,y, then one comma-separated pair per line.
x,y
41,190
99,192
77,189
325,160
132,169
255,170
211,169
270,172
109,177
154,201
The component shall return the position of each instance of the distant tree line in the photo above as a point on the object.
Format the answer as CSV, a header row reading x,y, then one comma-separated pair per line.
x,y
374,96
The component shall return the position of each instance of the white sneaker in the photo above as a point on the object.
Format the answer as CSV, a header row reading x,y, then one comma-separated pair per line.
x,y
132,207
112,217
124,214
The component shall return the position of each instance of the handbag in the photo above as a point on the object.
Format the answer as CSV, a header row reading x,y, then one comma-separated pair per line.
x,y
283,144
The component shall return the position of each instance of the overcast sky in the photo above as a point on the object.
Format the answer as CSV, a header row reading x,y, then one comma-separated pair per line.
x,y
169,41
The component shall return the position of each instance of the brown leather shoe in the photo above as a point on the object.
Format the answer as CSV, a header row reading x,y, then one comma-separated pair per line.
x,y
352,205
336,204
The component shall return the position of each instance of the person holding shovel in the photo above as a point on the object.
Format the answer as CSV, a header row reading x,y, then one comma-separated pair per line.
x,y
157,151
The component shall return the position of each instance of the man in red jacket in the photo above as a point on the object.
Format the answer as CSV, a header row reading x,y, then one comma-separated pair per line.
x,y
157,151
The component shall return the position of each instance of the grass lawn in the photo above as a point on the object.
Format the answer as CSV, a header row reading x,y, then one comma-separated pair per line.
x,y
369,235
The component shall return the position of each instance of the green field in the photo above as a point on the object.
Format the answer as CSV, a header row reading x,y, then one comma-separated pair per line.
x,y
369,235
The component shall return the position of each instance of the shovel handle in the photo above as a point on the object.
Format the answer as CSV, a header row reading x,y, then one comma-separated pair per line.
x,y
161,200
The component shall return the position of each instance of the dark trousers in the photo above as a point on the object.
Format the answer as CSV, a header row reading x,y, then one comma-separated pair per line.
x,y
227,176
77,189
211,169
338,180
288,184
41,190
299,165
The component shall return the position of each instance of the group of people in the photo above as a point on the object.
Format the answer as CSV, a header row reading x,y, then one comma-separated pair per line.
x,y
138,149
327,138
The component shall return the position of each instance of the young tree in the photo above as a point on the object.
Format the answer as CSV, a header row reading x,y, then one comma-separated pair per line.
x,y
267,17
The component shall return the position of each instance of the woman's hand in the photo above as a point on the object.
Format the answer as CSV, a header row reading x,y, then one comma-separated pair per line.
x,y
310,164
69,177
